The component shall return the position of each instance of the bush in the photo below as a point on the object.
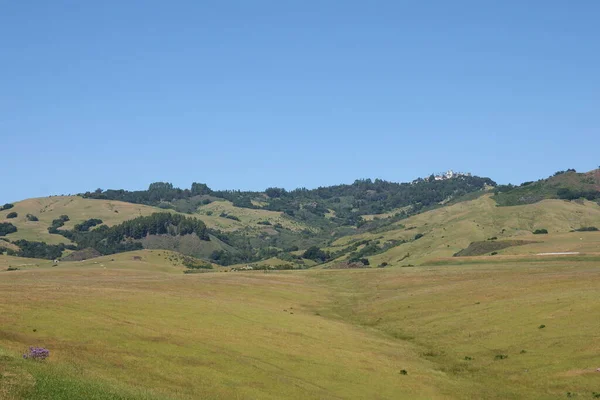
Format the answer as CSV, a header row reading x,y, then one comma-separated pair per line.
x,y
12,269
194,263
39,250
32,218
86,225
7,206
540,232
493,238
587,229
418,236
315,254
12,215
541,326
500,357
232,217
7,228
382,265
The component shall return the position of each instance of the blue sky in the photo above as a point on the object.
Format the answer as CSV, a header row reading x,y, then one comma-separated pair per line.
x,y
251,94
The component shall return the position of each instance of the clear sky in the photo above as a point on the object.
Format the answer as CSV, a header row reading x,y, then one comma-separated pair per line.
x,y
250,94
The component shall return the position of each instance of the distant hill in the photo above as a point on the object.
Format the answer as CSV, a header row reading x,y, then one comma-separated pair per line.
x,y
567,185
325,206
445,231
369,222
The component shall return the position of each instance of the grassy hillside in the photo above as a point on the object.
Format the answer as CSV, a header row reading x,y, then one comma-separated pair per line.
x,y
565,185
137,328
248,218
77,208
450,229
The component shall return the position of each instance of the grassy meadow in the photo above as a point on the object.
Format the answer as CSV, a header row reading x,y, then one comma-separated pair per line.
x,y
133,326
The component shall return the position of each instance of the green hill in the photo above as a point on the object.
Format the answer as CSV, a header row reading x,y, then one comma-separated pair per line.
x,y
415,222
567,185
448,230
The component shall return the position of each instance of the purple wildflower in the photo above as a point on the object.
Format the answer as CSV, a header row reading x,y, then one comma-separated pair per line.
x,y
37,353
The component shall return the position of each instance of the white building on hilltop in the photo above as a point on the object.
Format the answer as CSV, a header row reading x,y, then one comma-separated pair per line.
x,y
450,174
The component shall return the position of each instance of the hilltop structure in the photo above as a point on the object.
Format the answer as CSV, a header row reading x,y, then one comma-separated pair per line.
x,y
450,174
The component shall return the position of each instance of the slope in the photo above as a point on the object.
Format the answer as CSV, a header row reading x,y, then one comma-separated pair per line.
x,y
450,229
568,185
46,209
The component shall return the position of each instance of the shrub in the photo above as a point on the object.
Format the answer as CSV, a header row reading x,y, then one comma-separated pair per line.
x,y
540,232
32,218
12,215
493,253
403,372
315,254
7,228
12,268
418,236
467,358
493,238
263,223
194,263
7,206
500,357
382,265
587,229
86,225
232,217
37,354
541,326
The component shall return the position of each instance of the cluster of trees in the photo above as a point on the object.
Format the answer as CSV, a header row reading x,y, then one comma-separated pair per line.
x,y
57,223
7,228
229,216
86,225
587,229
349,202
573,194
11,215
564,172
39,250
7,206
316,254
120,238
157,192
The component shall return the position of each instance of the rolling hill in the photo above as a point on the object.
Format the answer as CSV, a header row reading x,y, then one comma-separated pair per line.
x,y
451,229
419,221
468,300
567,185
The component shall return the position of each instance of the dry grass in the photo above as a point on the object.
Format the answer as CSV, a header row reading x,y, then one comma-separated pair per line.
x,y
450,229
142,328
77,208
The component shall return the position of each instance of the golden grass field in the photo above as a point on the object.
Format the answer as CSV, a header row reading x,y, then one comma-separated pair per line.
x,y
141,329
